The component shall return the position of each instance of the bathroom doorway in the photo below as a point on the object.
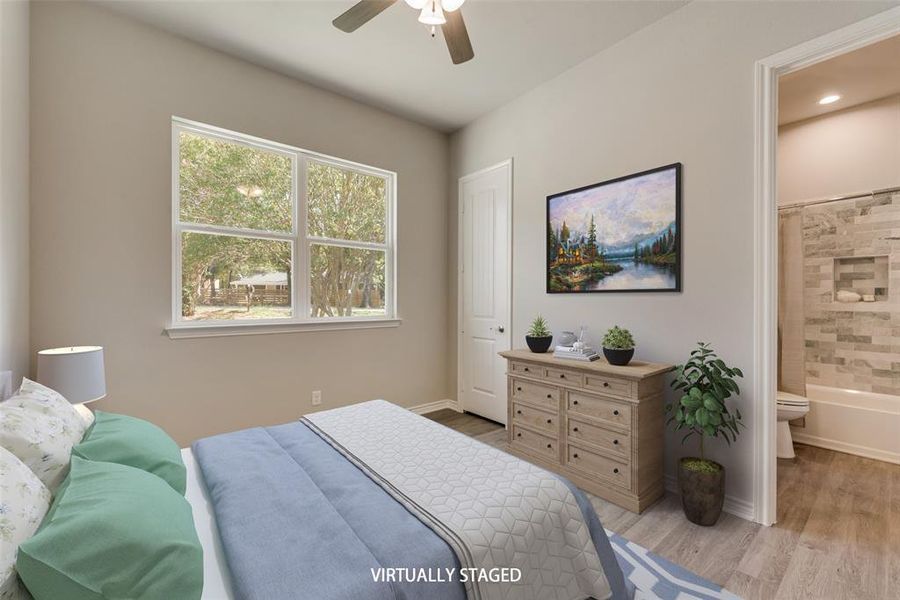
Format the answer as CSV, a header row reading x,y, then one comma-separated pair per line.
x,y
813,207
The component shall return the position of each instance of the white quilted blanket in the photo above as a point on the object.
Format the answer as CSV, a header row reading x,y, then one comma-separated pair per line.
x,y
494,509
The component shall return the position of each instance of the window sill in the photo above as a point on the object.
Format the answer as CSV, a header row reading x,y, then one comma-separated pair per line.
x,y
202,330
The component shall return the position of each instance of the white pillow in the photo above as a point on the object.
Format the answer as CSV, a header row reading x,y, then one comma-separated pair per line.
x,y
40,427
24,501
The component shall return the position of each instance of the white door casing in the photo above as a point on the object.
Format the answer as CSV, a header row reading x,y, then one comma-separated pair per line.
x,y
485,299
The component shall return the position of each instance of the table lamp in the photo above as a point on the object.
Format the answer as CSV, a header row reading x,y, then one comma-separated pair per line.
x,y
76,372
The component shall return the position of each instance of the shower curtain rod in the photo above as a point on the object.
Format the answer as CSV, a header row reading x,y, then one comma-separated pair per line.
x,y
839,198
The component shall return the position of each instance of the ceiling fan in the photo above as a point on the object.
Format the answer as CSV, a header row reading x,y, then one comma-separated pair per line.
x,y
443,13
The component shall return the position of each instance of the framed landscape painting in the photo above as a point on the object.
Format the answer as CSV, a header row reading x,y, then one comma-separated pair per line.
x,y
621,235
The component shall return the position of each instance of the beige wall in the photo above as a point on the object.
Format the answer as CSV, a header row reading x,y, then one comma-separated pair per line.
x,y
845,152
14,188
678,90
103,91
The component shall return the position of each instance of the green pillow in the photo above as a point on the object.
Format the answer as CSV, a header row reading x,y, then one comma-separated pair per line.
x,y
113,532
134,442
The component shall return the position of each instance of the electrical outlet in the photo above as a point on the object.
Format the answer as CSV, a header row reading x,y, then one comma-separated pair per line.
x,y
317,397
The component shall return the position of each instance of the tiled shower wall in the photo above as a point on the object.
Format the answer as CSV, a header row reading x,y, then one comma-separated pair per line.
x,y
847,246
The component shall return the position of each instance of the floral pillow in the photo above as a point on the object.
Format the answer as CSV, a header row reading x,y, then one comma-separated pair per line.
x,y
24,501
40,427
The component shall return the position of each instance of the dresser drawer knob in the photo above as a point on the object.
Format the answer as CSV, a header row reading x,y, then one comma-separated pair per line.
x,y
525,369
518,435
575,455
549,420
518,412
549,445
562,375
550,396
574,401
615,470
615,442
615,412
518,389
574,429
605,384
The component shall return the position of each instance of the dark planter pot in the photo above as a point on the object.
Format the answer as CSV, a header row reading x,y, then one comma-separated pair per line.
x,y
539,344
702,493
617,357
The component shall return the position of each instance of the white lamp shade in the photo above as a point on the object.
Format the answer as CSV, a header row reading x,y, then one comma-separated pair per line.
x,y
416,4
451,5
75,372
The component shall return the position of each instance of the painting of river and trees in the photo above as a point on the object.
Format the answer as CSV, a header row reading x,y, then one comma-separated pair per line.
x,y
622,235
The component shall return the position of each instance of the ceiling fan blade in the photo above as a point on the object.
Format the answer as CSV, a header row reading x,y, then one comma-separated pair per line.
x,y
457,37
360,13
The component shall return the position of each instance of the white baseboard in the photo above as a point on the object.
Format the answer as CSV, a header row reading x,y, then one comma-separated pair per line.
x,y
430,407
733,506
847,448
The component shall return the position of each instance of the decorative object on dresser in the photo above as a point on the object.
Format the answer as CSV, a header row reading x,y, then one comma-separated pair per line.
x,y
600,425
621,235
578,350
618,346
539,337
704,383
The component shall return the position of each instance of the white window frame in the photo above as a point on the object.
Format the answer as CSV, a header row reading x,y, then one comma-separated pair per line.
x,y
299,238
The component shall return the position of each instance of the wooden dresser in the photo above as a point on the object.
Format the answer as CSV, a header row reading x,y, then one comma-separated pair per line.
x,y
599,425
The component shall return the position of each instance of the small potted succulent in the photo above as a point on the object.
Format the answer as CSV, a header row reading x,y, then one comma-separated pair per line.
x,y
703,384
539,337
618,346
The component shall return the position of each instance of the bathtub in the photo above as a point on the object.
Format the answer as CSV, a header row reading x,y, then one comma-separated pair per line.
x,y
862,423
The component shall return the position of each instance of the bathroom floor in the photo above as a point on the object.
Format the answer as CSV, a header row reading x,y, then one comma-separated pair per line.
x,y
837,536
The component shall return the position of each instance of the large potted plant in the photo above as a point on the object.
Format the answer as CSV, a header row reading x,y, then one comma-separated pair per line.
x,y
703,384
618,346
539,337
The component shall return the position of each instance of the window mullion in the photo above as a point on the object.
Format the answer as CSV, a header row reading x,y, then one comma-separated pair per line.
x,y
301,245
323,241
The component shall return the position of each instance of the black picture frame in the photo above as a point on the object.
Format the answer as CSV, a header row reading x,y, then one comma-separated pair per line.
x,y
678,234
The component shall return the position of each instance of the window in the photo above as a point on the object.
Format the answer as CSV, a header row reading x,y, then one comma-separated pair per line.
x,y
265,234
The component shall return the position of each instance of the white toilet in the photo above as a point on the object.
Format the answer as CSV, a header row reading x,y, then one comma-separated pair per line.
x,y
790,407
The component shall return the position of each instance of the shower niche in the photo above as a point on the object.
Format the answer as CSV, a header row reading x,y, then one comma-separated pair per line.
x,y
867,276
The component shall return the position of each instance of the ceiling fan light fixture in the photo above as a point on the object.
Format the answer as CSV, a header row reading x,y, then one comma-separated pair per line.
x,y
432,13
451,5
416,4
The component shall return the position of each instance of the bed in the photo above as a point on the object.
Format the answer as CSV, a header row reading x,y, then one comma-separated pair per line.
x,y
216,579
333,502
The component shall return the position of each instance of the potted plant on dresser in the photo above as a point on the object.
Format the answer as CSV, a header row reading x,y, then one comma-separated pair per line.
x,y
703,384
539,337
618,346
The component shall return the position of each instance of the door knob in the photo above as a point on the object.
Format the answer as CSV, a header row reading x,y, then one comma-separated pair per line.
x,y
500,329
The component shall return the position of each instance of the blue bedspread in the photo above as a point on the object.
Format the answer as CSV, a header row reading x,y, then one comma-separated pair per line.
x,y
297,520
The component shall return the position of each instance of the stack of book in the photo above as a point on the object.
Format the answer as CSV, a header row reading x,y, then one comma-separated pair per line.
x,y
585,354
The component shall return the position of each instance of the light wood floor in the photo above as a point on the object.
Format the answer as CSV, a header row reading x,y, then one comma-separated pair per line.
x,y
837,536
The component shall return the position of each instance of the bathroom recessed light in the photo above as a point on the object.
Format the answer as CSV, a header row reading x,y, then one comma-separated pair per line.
x,y
829,99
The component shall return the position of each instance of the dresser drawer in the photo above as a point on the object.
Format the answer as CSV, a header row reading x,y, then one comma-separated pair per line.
x,y
601,408
539,419
537,443
563,376
612,441
527,369
618,472
537,393
609,385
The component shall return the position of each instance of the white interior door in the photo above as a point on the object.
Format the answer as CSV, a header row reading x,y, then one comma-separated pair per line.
x,y
484,283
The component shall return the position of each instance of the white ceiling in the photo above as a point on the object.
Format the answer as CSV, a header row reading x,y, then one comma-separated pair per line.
x,y
392,62
867,74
